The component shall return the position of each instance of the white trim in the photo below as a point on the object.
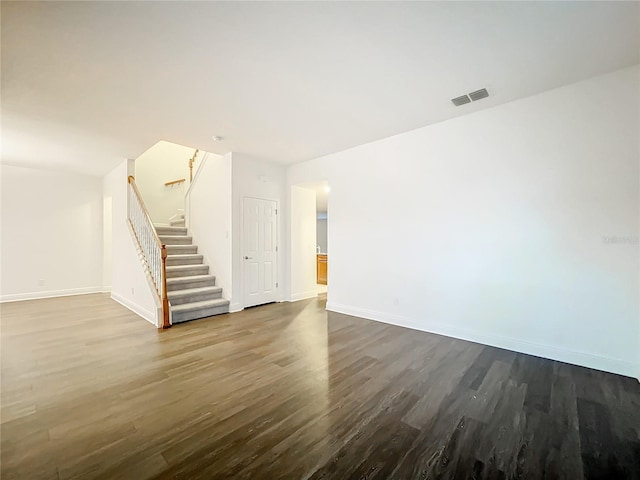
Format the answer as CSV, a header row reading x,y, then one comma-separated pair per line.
x,y
18,297
235,307
135,308
598,362
106,289
295,297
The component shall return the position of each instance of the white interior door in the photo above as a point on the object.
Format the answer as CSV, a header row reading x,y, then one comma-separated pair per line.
x,y
259,251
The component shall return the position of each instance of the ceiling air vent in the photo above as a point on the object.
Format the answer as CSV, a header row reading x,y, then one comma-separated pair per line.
x,y
479,94
460,100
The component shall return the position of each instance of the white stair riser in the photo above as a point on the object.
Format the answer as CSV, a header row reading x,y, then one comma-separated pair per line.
x,y
171,261
200,313
175,240
188,272
196,297
177,223
208,282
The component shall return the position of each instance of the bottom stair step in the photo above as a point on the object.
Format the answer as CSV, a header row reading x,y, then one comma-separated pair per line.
x,y
194,310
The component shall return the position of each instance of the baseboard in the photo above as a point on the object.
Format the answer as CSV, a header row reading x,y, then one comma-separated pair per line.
x,y
106,289
235,307
597,362
135,308
303,296
18,297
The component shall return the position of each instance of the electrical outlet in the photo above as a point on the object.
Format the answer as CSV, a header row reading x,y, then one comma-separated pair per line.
x,y
132,291
396,301
41,282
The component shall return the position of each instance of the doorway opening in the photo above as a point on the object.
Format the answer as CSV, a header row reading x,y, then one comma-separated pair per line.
x,y
322,247
309,240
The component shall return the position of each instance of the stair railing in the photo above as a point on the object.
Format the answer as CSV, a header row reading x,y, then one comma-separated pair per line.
x,y
192,160
154,253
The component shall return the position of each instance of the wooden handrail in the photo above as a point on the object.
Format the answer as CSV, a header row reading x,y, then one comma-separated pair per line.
x,y
163,255
173,182
191,162
132,181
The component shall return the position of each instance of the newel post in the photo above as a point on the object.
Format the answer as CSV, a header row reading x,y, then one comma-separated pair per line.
x,y
165,299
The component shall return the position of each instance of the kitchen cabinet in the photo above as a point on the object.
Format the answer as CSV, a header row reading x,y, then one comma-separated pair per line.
x,y
321,268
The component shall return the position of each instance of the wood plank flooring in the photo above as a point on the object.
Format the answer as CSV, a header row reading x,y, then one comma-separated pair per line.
x,y
287,391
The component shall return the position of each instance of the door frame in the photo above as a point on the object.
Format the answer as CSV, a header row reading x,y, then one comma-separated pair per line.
x,y
242,254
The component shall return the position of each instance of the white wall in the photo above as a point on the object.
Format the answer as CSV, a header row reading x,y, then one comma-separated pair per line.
x,y
302,212
208,207
321,234
491,227
252,177
164,162
107,242
51,233
129,283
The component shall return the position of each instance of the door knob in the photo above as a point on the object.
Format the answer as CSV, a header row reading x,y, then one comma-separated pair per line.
x,y
247,258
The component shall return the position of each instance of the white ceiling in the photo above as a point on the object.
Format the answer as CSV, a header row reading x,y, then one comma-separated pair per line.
x,y
85,84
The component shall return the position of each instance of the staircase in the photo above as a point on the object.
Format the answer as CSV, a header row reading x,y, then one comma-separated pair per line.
x,y
177,220
191,290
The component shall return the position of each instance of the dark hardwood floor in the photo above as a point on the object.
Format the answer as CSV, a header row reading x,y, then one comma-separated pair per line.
x,y
285,391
